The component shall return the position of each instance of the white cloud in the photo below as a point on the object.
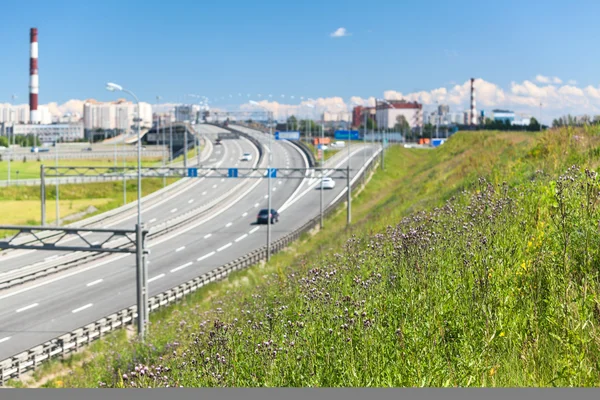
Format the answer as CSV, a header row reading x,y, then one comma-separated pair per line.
x,y
547,79
340,32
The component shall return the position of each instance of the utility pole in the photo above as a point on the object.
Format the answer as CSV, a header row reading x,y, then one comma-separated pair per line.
x,y
269,191
57,179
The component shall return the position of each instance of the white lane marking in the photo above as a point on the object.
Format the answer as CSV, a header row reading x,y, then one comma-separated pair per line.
x,y
223,180
214,186
256,205
203,193
28,307
155,278
266,196
95,243
179,249
173,210
82,308
224,247
191,201
280,182
207,236
152,220
63,277
228,225
182,267
254,230
5,339
244,214
94,283
274,189
241,237
204,257
51,257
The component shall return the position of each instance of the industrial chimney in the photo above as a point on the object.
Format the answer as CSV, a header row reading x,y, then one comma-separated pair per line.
x,y
33,77
473,110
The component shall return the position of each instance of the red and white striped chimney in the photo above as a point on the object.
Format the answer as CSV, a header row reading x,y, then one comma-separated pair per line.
x,y
33,78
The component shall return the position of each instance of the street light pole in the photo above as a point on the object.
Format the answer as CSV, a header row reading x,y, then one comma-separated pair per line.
x,y
56,183
141,266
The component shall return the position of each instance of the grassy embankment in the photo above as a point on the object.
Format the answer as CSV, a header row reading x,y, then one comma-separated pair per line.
x,y
327,153
497,286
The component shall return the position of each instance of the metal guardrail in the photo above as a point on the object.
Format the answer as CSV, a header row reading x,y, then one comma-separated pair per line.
x,y
17,365
8,280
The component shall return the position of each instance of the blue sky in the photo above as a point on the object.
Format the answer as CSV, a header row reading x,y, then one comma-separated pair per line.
x,y
220,48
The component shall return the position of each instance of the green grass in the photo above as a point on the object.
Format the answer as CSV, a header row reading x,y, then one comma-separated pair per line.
x,y
326,153
442,280
31,168
21,204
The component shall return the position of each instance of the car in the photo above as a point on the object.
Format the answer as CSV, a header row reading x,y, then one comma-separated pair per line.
x,y
218,142
263,216
327,183
246,157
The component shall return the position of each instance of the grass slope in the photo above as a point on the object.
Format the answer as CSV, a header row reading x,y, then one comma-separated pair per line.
x,y
444,279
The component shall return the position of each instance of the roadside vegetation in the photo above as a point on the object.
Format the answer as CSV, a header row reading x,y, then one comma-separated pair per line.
x,y
330,152
20,205
473,264
30,169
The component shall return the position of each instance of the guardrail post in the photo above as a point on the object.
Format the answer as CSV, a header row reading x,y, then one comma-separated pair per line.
x,y
43,193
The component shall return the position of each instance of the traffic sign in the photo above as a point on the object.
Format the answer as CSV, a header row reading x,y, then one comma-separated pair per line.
x,y
344,134
320,146
287,135
193,172
233,172
272,172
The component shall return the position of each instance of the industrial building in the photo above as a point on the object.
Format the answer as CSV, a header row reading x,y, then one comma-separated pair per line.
x,y
387,114
503,115
52,132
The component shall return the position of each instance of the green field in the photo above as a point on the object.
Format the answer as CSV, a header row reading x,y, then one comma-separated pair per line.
x,y
327,153
31,168
20,205
473,264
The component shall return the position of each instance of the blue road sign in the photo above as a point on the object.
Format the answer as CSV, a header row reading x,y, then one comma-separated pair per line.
x,y
272,172
192,172
233,172
287,135
351,135
320,146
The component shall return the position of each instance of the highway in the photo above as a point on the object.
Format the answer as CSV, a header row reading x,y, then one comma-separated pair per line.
x,y
200,191
44,309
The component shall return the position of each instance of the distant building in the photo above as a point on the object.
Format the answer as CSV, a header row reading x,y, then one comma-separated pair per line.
x,y
187,113
21,115
117,115
443,109
359,114
503,115
49,133
387,116
336,116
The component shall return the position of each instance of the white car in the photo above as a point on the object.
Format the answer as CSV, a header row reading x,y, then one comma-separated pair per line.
x,y
246,157
327,183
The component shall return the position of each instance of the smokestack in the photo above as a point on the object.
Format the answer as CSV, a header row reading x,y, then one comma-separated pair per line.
x,y
473,115
33,77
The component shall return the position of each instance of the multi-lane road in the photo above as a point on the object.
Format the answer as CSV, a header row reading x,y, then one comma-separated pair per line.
x,y
44,309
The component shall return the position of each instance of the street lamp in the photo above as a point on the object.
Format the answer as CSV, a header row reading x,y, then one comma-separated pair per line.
x,y
141,267
268,179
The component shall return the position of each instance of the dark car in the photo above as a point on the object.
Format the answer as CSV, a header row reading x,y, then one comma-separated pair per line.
x,y
218,141
263,216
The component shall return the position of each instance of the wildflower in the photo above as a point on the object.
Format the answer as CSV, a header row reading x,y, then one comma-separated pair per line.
x,y
492,371
501,334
